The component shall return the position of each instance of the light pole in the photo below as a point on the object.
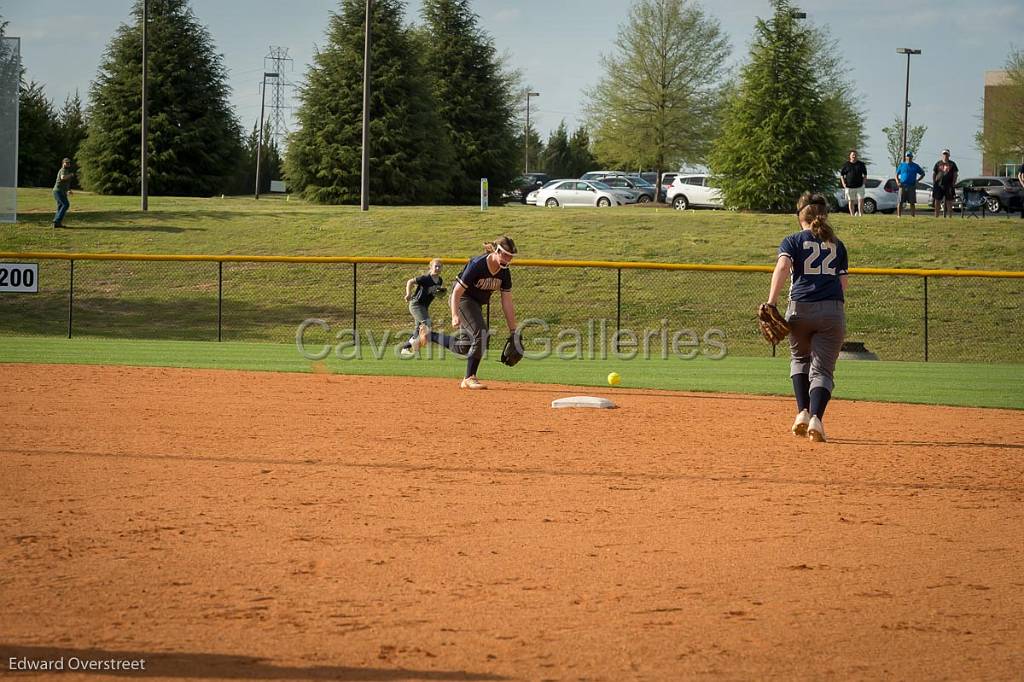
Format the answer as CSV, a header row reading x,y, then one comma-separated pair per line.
x,y
906,97
143,185
364,184
259,142
526,133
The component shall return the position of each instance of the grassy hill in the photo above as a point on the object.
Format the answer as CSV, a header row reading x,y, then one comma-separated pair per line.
x,y
969,320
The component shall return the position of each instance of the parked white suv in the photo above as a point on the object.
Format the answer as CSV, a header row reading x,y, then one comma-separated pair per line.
x,y
693,190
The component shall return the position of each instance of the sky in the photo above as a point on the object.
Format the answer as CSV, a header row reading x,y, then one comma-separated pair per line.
x,y
558,44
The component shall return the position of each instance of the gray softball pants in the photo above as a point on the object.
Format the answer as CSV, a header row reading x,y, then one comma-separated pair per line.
x,y
816,337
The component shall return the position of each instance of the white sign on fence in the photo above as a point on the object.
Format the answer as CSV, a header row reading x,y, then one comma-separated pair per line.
x,y
483,194
277,186
20,278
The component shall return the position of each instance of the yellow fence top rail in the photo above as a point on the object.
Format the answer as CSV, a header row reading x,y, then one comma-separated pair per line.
x,y
625,265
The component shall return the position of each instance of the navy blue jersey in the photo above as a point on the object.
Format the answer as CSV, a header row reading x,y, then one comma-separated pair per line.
x,y
426,289
479,281
817,267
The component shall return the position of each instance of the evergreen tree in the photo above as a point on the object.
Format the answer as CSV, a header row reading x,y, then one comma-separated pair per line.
x,y
657,104
71,124
580,158
270,162
894,140
535,150
408,151
557,159
39,145
193,133
839,96
474,97
778,140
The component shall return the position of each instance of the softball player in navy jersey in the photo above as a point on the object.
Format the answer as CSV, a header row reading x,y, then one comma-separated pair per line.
x,y
818,264
427,287
481,277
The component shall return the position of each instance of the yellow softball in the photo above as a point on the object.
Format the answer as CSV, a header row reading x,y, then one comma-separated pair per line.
x,y
614,379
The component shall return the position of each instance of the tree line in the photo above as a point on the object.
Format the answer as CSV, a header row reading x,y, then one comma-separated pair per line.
x,y
446,109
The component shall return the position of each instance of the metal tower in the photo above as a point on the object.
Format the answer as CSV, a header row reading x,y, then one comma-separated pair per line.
x,y
277,122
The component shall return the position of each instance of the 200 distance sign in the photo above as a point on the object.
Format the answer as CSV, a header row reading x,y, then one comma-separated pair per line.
x,y
19,278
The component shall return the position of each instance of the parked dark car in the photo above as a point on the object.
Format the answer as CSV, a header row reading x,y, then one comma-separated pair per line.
x,y
525,184
998,193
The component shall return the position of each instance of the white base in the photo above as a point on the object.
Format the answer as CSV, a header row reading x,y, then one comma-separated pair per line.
x,y
583,401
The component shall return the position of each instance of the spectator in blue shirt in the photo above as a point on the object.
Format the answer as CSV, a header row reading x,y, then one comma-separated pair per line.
x,y
907,175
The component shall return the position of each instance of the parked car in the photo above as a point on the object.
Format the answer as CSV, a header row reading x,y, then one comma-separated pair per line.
x,y
998,193
581,193
666,181
531,198
525,184
594,175
693,190
644,190
881,195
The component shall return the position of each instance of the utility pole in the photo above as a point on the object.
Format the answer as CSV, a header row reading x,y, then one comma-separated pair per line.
x,y
259,142
364,189
143,185
906,96
526,132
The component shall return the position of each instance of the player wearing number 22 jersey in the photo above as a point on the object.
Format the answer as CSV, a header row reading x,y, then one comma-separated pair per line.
x,y
818,264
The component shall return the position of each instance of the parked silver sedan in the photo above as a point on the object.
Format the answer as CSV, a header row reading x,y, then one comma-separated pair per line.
x,y
580,193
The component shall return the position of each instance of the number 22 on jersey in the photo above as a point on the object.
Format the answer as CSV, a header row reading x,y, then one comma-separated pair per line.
x,y
826,252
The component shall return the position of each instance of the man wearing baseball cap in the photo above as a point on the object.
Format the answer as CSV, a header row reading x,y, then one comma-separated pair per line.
x,y
944,175
907,175
60,191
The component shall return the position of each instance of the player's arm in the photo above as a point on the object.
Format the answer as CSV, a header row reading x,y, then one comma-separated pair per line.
x,y
783,269
457,293
509,309
409,284
842,282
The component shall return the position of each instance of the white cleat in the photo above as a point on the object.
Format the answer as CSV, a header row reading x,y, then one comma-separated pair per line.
x,y
815,431
800,425
407,352
472,383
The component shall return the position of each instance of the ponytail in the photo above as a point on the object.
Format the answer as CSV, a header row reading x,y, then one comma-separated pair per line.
x,y
812,210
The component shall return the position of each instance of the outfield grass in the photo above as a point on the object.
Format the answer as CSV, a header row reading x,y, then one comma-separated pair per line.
x,y
969,320
910,382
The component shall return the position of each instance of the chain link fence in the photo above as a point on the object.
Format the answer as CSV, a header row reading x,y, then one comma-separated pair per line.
x,y
582,310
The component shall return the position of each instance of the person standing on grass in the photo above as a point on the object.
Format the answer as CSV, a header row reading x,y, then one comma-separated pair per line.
x,y
481,277
944,175
907,175
61,188
1020,178
852,175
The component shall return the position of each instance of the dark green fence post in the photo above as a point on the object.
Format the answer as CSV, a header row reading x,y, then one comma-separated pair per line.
x,y
71,297
220,297
355,299
926,319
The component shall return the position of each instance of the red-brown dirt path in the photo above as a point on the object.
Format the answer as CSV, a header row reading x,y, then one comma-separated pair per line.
x,y
245,525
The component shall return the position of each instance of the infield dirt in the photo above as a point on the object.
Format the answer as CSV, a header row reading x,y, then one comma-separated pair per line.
x,y
243,525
